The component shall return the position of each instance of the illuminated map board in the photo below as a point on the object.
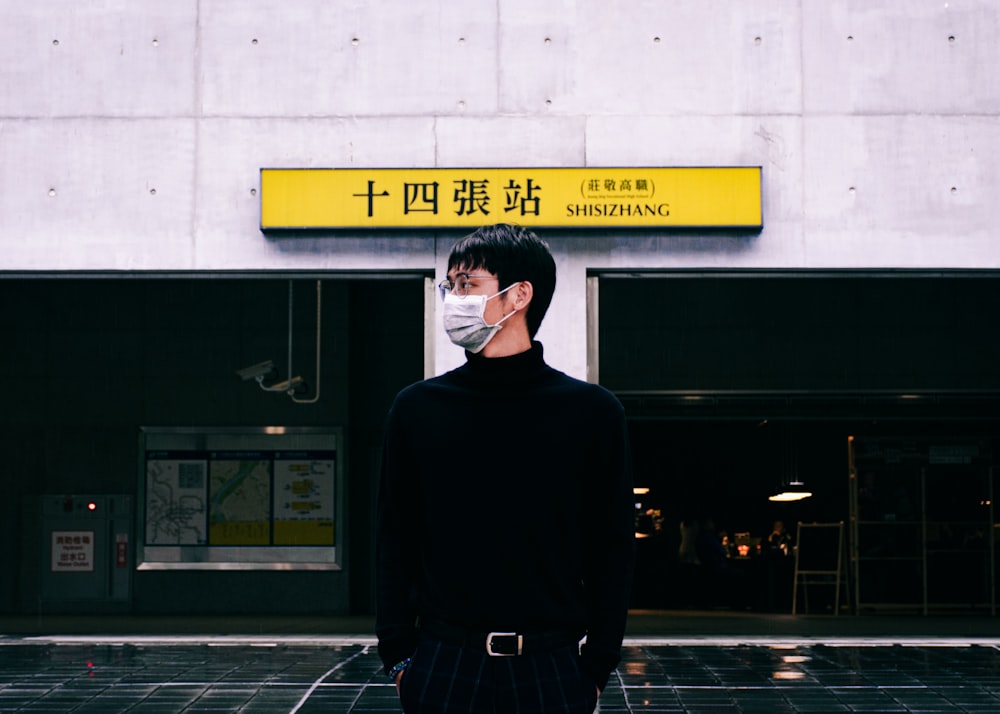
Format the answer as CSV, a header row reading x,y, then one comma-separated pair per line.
x,y
221,500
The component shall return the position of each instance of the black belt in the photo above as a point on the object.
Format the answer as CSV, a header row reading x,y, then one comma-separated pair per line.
x,y
500,644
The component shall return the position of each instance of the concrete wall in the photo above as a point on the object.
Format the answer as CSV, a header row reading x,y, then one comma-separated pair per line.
x,y
131,134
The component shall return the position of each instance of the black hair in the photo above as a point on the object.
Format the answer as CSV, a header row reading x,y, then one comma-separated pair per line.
x,y
513,254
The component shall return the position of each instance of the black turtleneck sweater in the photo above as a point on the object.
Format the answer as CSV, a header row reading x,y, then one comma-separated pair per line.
x,y
506,505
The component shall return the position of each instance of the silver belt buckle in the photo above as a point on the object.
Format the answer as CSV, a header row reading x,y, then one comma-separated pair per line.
x,y
489,643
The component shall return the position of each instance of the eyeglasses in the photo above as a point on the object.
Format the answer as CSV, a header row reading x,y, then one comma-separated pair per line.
x,y
460,286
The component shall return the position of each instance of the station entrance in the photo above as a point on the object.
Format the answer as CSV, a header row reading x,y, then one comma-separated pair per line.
x,y
94,362
737,383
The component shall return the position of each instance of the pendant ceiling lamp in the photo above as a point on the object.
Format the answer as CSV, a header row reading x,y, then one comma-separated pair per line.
x,y
792,491
792,487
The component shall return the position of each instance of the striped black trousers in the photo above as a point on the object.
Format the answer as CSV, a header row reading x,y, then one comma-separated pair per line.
x,y
447,679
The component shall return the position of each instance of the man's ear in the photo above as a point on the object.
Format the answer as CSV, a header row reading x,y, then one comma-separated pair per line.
x,y
523,292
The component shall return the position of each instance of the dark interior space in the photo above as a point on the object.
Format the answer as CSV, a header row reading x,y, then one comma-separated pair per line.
x,y
726,471
915,512
835,331
736,383
732,384
89,360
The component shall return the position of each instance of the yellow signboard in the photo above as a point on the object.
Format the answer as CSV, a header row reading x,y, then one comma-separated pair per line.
x,y
642,197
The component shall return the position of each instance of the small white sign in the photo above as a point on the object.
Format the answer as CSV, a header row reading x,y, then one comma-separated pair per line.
x,y
72,551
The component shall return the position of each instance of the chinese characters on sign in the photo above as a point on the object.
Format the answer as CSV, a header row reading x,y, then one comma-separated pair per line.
x,y
72,552
469,197
590,197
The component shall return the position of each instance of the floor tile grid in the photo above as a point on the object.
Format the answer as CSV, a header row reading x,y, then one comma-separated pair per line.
x,y
740,685
171,679
816,679
667,679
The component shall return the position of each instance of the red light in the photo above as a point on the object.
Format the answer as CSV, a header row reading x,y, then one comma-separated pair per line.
x,y
91,506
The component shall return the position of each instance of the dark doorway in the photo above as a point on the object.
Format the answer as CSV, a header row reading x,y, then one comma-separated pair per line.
x,y
89,359
734,381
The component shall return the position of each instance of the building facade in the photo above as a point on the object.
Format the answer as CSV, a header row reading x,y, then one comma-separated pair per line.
x,y
137,280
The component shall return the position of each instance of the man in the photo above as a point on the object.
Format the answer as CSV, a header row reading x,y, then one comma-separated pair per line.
x,y
505,517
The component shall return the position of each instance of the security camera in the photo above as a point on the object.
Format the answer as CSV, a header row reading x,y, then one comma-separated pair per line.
x,y
260,371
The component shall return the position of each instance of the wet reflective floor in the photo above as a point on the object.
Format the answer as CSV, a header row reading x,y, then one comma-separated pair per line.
x,y
342,674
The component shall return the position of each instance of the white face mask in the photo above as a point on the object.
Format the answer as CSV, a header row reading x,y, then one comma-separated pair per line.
x,y
464,321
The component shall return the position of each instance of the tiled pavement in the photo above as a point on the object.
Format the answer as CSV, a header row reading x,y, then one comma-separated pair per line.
x,y
286,674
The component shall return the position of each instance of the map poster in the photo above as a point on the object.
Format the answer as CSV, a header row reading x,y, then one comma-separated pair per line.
x,y
255,498
304,485
239,511
176,498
